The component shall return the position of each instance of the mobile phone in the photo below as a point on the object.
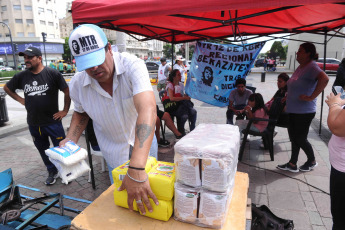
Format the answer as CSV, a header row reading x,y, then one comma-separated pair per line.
x,y
339,89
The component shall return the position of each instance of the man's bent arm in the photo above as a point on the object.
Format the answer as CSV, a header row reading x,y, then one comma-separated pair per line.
x,y
14,95
78,124
67,102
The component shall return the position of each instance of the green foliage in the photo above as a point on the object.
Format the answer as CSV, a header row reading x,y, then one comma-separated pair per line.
x,y
67,52
167,51
277,49
9,73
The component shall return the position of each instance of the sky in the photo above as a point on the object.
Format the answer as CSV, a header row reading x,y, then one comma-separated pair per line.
x,y
61,8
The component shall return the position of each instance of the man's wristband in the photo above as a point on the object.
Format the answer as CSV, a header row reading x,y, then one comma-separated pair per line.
x,y
131,167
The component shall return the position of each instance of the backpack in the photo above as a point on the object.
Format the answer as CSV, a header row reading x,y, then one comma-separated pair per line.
x,y
264,219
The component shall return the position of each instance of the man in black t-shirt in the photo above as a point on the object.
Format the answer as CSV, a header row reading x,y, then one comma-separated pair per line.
x,y
41,87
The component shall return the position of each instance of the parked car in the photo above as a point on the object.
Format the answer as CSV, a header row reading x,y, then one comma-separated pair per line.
x,y
152,66
5,68
332,64
259,62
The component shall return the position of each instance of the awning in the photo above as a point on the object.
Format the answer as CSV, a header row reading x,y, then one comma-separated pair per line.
x,y
186,20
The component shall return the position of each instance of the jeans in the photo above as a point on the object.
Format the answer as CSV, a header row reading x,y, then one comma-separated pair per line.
x,y
337,191
298,130
41,135
185,112
230,114
153,153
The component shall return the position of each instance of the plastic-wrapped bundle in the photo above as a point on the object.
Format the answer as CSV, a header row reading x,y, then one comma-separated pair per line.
x,y
213,208
69,173
208,157
120,172
68,155
162,178
200,206
186,203
187,170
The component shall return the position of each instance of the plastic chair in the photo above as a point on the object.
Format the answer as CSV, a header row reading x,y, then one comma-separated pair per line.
x,y
98,153
268,134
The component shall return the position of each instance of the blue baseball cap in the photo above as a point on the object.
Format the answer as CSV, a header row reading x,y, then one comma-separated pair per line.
x,y
87,44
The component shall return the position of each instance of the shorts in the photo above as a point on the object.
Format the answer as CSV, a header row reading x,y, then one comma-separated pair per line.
x,y
161,84
160,114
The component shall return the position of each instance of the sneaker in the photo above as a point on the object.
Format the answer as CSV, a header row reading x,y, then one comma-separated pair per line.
x,y
51,178
163,143
288,167
308,166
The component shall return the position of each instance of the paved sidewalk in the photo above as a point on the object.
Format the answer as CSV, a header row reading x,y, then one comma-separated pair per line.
x,y
287,194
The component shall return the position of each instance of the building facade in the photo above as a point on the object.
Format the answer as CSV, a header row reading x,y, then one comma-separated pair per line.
x,y
125,43
335,47
27,20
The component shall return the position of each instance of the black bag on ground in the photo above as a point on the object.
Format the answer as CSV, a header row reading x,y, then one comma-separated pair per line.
x,y
264,219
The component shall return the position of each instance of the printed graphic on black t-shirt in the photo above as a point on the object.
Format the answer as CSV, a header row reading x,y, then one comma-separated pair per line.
x,y
41,93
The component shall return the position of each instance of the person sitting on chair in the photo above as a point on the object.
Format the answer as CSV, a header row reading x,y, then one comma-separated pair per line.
x,y
282,90
255,109
185,110
238,99
169,123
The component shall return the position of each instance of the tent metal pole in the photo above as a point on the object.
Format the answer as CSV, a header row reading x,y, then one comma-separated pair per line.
x,y
324,69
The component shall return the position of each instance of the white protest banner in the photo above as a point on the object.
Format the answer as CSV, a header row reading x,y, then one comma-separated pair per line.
x,y
215,68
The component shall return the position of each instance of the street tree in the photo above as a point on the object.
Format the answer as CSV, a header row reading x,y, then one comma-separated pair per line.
x,y
167,51
277,49
66,51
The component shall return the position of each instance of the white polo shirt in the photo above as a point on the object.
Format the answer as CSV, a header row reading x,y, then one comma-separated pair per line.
x,y
114,118
161,71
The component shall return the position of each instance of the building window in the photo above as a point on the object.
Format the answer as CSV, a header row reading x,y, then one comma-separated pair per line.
x,y
5,21
42,22
50,11
31,34
20,21
50,24
29,8
40,10
29,21
7,35
3,8
20,34
17,7
0,35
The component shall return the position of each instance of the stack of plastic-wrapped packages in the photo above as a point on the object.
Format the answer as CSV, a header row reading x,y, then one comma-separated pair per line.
x,y
206,163
69,161
162,178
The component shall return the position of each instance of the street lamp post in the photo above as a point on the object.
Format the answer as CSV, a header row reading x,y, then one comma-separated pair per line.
x,y
44,35
14,55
